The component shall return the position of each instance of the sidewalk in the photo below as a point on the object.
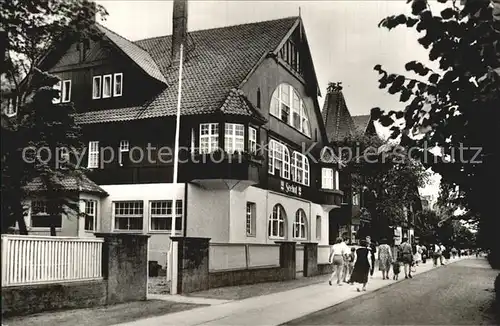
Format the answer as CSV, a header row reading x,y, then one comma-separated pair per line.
x,y
273,309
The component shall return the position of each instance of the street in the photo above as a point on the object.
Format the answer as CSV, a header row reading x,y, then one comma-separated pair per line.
x,y
458,294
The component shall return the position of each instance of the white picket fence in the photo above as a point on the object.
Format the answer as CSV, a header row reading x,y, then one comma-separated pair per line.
x,y
30,260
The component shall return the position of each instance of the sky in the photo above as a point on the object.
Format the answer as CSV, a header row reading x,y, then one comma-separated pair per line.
x,y
343,36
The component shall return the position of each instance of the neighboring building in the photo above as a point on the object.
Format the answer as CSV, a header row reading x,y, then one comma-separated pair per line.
x,y
339,126
244,87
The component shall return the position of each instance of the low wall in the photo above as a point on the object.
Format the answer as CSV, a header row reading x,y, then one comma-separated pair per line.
x,y
325,269
246,276
23,300
124,270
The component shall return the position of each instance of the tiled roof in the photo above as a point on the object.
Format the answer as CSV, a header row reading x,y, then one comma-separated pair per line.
x,y
74,183
361,122
217,61
138,55
338,121
236,103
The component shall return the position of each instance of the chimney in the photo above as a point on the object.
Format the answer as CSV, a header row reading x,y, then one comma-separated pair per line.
x,y
179,28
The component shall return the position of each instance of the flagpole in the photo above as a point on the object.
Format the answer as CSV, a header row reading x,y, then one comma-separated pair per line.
x,y
173,274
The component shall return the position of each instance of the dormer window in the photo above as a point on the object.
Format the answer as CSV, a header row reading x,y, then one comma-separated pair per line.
x,y
106,87
66,91
96,87
288,106
118,85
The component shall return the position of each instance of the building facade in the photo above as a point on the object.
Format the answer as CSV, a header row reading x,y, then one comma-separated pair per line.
x,y
251,133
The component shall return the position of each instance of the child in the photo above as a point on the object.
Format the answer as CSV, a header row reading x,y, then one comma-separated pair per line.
x,y
395,269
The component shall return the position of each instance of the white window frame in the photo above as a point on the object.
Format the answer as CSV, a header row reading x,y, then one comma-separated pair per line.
x,y
327,178
63,153
234,142
91,213
128,216
278,152
300,225
278,215
58,86
99,87
212,137
300,167
110,78
44,214
251,219
176,211
337,181
115,93
66,90
276,109
252,140
93,156
124,146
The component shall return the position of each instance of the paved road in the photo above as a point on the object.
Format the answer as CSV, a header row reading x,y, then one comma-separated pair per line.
x,y
457,294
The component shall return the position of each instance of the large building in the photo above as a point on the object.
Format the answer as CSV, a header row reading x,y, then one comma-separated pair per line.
x,y
249,115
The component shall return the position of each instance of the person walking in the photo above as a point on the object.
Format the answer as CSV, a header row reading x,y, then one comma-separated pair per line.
x,y
373,250
417,256
337,255
362,265
406,256
384,258
424,254
351,257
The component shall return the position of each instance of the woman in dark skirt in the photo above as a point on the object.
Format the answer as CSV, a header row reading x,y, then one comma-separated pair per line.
x,y
362,266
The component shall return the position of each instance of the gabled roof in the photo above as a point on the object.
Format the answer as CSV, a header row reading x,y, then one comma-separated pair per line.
x,y
72,183
361,122
338,121
134,52
236,103
217,61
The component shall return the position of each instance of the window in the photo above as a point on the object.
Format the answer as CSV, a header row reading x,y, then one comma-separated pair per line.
x,y
258,98
11,109
326,178
337,181
300,169
355,199
66,91
40,217
161,215
299,225
234,138
318,227
118,84
106,91
57,98
251,219
287,105
128,215
291,55
209,137
93,155
252,140
96,87
90,215
279,159
124,146
277,222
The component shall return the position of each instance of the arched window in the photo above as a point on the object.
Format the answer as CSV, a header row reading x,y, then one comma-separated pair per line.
x,y
287,105
279,159
300,169
277,222
299,225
